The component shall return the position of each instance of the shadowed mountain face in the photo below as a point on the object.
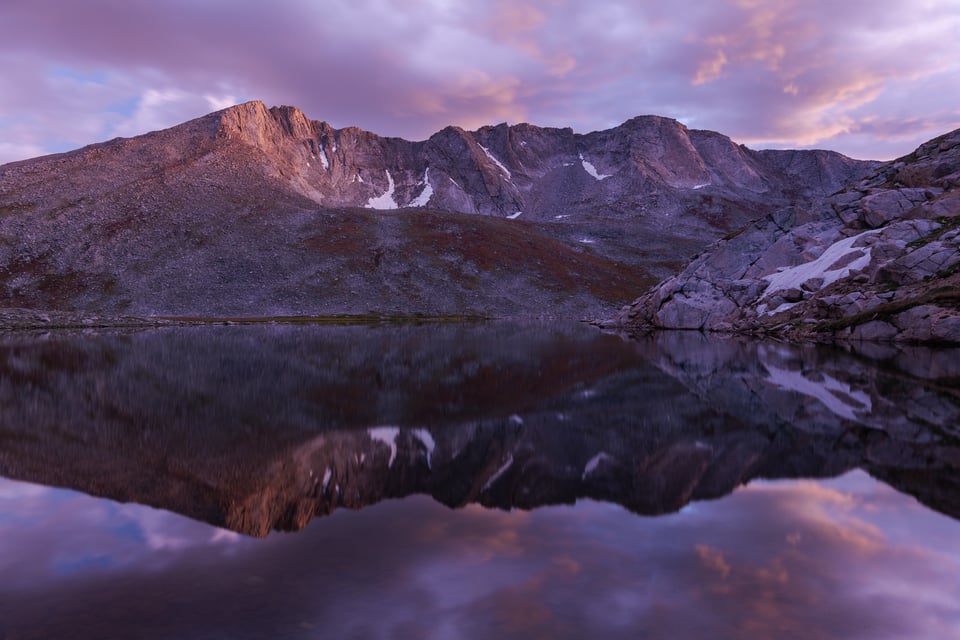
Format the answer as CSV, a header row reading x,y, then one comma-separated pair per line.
x,y
256,211
260,428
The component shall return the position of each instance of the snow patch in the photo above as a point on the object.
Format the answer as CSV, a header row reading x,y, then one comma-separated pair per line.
x,y
384,200
793,277
425,195
499,472
426,438
592,170
594,462
562,216
514,216
587,241
496,162
326,479
701,186
388,436
836,396
323,159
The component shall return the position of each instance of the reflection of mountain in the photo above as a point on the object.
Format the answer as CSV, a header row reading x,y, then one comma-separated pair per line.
x,y
256,428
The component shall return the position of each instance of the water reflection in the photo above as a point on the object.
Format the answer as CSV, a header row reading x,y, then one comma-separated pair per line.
x,y
253,429
260,428
830,559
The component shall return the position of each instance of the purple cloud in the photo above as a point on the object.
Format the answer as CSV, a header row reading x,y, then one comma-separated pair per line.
x,y
768,73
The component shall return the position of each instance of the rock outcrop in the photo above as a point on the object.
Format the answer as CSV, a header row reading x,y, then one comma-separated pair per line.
x,y
263,212
878,260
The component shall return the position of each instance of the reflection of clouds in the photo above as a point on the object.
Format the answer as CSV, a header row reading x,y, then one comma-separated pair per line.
x,y
48,531
809,559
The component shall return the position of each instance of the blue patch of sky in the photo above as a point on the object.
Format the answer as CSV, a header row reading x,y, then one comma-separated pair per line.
x,y
86,77
83,564
126,107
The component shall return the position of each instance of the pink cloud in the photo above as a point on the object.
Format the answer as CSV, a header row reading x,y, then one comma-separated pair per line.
x,y
782,73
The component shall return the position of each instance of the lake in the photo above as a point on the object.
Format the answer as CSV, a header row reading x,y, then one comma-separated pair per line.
x,y
508,480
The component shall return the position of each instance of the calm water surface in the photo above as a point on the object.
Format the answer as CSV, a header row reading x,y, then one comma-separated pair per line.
x,y
474,481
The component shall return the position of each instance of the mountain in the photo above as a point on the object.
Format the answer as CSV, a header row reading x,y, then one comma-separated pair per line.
x,y
253,211
878,260
257,428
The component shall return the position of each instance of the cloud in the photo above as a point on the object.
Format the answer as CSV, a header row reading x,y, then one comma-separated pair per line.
x,y
770,72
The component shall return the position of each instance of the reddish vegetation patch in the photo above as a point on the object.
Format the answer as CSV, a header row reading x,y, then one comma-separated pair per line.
x,y
498,246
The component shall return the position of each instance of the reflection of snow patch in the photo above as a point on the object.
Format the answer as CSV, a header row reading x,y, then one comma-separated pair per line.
x,y
593,463
514,216
388,436
326,479
793,277
496,162
499,472
426,438
592,170
515,419
424,197
385,200
836,396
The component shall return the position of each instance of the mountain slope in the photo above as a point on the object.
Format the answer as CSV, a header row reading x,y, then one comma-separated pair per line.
x,y
254,211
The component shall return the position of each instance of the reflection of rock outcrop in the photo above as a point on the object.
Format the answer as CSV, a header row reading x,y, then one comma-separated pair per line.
x,y
257,428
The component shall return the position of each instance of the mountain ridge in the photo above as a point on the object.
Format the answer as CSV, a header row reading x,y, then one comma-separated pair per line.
x,y
223,215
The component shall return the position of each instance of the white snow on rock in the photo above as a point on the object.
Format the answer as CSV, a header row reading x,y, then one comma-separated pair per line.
x,y
499,472
514,216
701,186
384,200
793,277
592,170
594,462
425,195
323,159
836,396
388,436
496,162
426,438
326,479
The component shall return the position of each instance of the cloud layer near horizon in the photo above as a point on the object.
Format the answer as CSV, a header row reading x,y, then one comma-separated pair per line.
x,y
868,78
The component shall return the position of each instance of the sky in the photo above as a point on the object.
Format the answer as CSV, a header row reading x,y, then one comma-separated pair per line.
x,y
869,78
